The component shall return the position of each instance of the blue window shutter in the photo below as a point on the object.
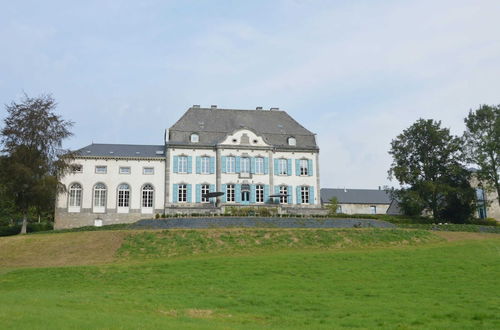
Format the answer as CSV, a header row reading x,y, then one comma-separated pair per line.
x,y
176,164
252,165
299,196
190,164
276,189
175,197
290,194
238,164
237,192
266,165
252,193
297,167
309,167
198,193
212,165
198,164
266,193
189,193
224,190
311,195
224,164
276,170
288,167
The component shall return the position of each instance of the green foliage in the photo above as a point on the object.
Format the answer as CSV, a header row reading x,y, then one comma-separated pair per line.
x,y
427,163
31,228
332,206
482,145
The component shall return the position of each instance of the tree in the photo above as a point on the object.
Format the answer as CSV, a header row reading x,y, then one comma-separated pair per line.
x,y
32,140
482,144
426,162
333,206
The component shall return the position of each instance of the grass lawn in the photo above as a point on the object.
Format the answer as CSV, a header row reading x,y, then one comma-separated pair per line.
x,y
406,279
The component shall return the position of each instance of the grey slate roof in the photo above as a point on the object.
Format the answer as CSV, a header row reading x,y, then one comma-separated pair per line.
x,y
122,150
356,196
213,125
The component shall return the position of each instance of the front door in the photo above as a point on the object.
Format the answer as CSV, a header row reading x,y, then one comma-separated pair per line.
x,y
245,197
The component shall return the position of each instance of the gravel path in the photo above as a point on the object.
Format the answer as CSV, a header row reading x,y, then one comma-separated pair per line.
x,y
224,222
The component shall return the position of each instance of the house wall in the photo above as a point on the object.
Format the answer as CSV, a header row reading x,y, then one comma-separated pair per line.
x,y
363,208
88,178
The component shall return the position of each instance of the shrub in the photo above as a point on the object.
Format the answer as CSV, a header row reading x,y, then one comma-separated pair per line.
x,y
157,216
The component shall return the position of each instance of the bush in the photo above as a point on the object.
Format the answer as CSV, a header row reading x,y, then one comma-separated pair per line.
x,y
484,222
32,228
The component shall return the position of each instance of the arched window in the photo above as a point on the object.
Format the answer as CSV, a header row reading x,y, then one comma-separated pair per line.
x,y
195,138
123,195
99,195
147,196
292,141
75,195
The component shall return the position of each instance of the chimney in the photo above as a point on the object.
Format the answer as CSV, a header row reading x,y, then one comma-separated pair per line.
x,y
274,109
213,106
197,106
258,108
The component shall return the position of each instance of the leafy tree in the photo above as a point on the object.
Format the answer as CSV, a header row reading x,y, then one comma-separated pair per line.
x,y
332,206
482,141
32,139
426,162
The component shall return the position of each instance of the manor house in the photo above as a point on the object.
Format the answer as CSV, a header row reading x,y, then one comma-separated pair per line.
x,y
250,157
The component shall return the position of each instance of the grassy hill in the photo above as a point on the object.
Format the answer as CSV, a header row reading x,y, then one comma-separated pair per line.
x,y
250,278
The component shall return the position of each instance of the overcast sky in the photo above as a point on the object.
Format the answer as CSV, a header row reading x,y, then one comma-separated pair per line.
x,y
354,72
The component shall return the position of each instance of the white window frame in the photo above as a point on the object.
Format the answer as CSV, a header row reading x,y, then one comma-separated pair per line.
x,y
292,141
101,169
230,193
123,198
373,209
245,165
259,165
195,138
75,197
304,168
283,192
183,164
182,193
205,189
231,164
205,165
282,166
146,169
304,194
147,198
124,170
259,193
99,202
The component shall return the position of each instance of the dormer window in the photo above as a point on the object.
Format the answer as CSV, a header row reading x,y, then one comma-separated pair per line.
x,y
292,141
195,138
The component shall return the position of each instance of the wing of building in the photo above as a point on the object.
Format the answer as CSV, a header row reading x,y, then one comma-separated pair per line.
x,y
361,201
255,158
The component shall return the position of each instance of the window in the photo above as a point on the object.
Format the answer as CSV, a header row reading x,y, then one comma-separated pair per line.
x,y
259,193
304,193
245,165
147,195
282,166
195,138
75,195
205,165
183,164
231,164
123,195
182,194
339,209
480,203
303,167
76,168
283,194
373,209
205,189
230,193
100,195
124,170
259,165
292,141
101,169
148,170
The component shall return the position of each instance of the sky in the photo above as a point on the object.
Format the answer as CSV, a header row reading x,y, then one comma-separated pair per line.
x,y
356,73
